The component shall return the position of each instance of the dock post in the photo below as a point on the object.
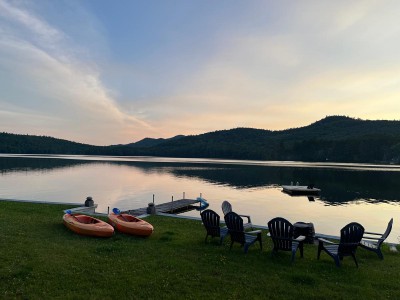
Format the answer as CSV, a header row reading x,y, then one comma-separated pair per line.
x,y
183,195
108,210
153,198
172,204
151,209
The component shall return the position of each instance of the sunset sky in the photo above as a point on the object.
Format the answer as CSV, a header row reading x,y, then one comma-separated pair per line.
x,y
110,72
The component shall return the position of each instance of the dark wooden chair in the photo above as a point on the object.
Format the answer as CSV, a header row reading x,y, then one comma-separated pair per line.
x,y
373,241
350,237
236,230
211,222
227,208
281,233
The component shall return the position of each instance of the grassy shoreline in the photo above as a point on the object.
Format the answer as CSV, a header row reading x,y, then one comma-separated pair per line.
x,y
42,259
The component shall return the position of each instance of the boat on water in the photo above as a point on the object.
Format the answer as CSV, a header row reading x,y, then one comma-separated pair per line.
x,y
300,190
87,225
129,224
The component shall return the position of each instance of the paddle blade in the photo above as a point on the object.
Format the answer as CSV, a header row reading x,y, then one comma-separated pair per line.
x,y
68,211
116,211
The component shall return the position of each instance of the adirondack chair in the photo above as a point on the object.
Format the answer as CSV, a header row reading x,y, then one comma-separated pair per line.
x,y
211,222
350,237
236,230
373,241
281,233
227,208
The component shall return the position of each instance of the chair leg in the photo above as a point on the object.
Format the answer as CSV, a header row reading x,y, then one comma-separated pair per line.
x,y
355,260
246,248
337,260
320,246
260,243
380,254
293,255
301,249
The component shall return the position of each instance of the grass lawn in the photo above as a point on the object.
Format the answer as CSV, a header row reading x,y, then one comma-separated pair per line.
x,y
41,259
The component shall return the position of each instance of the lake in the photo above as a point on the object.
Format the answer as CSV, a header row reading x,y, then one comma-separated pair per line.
x,y
364,193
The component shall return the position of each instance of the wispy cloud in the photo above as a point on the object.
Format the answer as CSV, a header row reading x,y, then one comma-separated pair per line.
x,y
36,26
45,75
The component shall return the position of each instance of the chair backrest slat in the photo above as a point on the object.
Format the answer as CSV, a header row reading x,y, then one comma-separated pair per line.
x,y
211,222
387,231
281,232
226,207
235,226
350,236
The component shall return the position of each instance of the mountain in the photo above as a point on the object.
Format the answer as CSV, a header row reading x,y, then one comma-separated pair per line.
x,y
150,142
334,138
16,143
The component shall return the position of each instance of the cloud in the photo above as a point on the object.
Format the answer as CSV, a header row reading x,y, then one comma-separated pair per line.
x,y
42,31
260,64
320,59
43,74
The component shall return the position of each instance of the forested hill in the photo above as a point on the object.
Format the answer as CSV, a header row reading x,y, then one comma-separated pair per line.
x,y
336,138
16,143
149,142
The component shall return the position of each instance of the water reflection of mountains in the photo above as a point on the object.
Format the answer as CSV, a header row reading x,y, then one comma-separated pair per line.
x,y
338,186
20,164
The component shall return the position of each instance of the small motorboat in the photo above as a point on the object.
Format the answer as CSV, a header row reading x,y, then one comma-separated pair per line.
x,y
300,190
87,225
129,224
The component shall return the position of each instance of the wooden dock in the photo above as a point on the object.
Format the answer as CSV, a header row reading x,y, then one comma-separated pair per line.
x,y
171,207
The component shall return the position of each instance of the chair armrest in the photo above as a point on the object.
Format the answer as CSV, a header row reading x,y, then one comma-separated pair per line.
x,y
365,232
281,238
370,238
223,231
253,232
248,218
300,238
321,240
350,244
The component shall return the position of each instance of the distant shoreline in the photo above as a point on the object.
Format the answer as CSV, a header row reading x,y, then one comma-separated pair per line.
x,y
334,139
157,159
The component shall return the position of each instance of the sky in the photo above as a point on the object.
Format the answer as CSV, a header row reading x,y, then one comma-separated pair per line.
x,y
113,72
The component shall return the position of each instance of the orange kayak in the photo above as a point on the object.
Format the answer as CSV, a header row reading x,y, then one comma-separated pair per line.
x,y
87,225
130,224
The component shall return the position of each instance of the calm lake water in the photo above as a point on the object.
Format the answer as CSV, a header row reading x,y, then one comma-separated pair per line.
x,y
368,194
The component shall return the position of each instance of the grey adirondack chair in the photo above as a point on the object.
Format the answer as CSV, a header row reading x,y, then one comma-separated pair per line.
x,y
281,233
236,230
227,208
373,241
211,222
350,237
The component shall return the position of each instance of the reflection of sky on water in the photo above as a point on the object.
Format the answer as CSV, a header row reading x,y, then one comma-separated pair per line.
x,y
368,197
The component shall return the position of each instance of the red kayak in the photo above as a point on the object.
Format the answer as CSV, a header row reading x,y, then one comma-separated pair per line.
x,y
131,225
87,225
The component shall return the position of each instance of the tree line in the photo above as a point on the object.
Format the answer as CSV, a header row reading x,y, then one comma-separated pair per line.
x,y
336,139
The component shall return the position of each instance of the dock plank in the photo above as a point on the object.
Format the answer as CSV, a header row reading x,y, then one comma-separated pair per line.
x,y
168,207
